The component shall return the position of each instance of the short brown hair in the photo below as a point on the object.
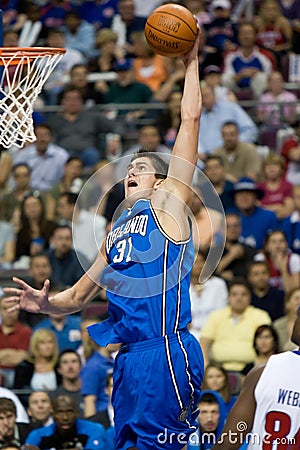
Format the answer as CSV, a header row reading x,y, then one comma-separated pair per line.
x,y
7,405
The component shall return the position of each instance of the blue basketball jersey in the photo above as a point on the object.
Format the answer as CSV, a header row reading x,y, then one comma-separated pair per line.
x,y
147,280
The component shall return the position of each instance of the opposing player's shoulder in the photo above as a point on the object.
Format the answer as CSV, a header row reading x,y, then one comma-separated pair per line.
x,y
253,377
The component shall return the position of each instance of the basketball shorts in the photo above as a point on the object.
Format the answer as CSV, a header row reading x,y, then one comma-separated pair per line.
x,y
156,392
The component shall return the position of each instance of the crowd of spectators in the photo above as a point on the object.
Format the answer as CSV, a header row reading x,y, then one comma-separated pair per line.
x,y
109,96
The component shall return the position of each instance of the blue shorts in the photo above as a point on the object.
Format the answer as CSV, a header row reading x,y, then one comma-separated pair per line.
x,y
156,392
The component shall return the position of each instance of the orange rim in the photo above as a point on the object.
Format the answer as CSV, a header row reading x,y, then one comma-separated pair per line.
x,y
18,53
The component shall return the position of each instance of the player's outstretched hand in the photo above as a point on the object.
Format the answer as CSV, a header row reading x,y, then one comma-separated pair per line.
x,y
193,53
32,300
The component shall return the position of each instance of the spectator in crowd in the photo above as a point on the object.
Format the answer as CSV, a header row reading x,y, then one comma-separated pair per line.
x,y
53,13
274,31
149,67
211,420
264,296
14,342
69,366
240,158
284,325
39,409
109,53
79,79
265,344
277,190
45,159
7,244
148,138
290,150
207,224
228,345
57,79
68,428
125,23
217,379
21,412
106,417
71,181
99,14
203,295
11,432
247,68
93,379
126,89
88,228
284,265
291,224
215,171
220,30
170,119
66,268
197,7
214,115
39,271
32,32
5,167
11,201
102,195
35,230
79,34
78,130
212,77
37,372
236,254
66,330
246,194
277,106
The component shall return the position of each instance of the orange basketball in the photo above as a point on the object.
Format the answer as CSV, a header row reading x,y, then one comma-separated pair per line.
x,y
171,30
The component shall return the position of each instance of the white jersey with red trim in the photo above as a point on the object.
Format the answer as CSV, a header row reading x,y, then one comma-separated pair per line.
x,y
277,418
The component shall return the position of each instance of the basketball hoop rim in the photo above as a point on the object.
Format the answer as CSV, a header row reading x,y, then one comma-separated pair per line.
x,y
18,53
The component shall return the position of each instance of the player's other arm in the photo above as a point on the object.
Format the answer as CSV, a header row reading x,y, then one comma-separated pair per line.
x,y
66,302
185,151
241,415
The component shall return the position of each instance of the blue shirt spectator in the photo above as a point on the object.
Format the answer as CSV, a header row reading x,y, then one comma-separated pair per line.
x,y
93,378
291,229
79,34
45,159
215,114
67,428
256,221
65,328
100,14
212,409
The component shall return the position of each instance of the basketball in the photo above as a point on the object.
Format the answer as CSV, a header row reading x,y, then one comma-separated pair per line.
x,y
171,30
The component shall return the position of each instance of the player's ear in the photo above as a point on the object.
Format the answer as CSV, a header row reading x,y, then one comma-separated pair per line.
x,y
157,183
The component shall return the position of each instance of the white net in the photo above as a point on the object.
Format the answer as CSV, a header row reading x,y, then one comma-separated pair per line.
x,y
23,71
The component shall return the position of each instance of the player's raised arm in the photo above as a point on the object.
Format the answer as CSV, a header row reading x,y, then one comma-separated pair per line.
x,y
66,302
185,151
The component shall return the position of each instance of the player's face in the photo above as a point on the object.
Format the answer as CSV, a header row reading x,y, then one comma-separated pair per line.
x,y
140,177
208,417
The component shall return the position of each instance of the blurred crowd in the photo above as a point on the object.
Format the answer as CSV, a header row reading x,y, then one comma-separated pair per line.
x,y
109,96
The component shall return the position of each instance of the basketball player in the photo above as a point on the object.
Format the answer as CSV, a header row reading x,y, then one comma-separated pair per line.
x,y
145,264
268,407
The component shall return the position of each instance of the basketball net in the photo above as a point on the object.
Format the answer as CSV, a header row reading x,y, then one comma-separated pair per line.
x,y
23,72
